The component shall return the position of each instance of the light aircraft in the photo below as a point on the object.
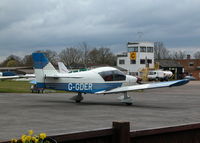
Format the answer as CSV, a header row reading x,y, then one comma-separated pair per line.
x,y
103,80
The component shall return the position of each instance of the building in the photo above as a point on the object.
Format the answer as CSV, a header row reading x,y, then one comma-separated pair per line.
x,y
139,55
171,65
191,67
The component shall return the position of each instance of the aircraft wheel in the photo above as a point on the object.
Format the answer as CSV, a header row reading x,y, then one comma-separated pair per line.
x,y
78,101
129,104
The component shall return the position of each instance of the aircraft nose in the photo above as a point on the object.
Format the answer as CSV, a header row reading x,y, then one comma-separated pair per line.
x,y
131,79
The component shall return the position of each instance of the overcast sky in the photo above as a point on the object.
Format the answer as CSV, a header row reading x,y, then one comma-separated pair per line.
x,y
30,25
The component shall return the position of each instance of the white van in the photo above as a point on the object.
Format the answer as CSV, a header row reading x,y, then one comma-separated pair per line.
x,y
159,75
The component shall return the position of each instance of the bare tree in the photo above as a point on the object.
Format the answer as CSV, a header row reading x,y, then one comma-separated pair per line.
x,y
160,52
85,51
197,55
179,55
102,56
12,60
93,56
71,56
27,60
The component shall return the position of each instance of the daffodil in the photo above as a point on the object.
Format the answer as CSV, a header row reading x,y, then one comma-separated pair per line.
x,y
23,140
30,132
36,140
23,136
42,136
14,141
33,139
28,138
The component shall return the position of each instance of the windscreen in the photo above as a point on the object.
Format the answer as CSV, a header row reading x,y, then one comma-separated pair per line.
x,y
114,75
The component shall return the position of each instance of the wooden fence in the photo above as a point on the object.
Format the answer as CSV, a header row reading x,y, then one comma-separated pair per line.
x,y
120,133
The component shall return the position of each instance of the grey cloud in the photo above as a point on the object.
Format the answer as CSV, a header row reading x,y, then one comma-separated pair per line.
x,y
29,25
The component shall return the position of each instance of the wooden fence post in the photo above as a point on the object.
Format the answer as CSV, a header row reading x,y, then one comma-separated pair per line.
x,y
121,132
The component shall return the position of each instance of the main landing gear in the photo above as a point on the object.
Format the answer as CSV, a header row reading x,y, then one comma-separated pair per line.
x,y
77,98
126,99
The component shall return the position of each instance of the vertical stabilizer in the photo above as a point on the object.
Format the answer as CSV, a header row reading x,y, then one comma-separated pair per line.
x,y
42,68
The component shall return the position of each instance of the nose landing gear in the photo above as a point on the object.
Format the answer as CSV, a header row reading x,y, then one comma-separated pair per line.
x,y
126,99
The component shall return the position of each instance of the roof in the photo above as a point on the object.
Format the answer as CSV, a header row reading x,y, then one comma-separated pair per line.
x,y
169,63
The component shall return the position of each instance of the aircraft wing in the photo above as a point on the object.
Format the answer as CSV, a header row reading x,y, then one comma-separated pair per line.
x,y
146,86
9,77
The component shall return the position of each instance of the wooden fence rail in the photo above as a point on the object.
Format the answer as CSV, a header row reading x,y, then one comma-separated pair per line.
x,y
120,133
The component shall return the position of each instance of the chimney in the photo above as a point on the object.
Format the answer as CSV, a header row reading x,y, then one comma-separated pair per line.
x,y
188,57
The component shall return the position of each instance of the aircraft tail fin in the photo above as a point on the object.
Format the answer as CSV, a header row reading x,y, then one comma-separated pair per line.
x,y
62,68
42,68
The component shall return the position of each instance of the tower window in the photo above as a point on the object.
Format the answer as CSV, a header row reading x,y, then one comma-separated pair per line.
x,y
150,49
132,49
149,61
142,49
142,61
121,62
132,61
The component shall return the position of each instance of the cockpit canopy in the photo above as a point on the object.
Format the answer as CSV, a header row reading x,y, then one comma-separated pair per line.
x,y
113,75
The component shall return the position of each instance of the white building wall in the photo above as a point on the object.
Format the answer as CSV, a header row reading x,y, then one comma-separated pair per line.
x,y
139,55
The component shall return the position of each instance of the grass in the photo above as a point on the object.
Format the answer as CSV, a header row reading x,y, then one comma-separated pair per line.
x,y
9,86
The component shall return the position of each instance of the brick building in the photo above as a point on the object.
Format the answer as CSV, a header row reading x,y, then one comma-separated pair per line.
x,y
170,65
191,67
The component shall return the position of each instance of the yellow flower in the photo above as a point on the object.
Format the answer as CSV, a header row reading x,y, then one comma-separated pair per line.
x,y
30,132
14,141
42,136
33,138
23,140
37,140
28,138
23,136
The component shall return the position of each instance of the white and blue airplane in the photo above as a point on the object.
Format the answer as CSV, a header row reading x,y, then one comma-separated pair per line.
x,y
103,80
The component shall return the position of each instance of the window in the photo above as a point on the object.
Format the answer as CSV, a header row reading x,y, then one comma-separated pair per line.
x,y
113,75
142,49
142,61
132,61
132,49
191,64
149,61
121,62
150,49
152,73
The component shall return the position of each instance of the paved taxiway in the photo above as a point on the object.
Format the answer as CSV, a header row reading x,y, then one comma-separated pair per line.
x,y
56,114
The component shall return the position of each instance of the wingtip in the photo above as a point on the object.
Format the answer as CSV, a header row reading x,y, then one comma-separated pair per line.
x,y
181,82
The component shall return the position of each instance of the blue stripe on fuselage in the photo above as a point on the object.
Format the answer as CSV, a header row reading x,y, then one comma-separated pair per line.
x,y
80,87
